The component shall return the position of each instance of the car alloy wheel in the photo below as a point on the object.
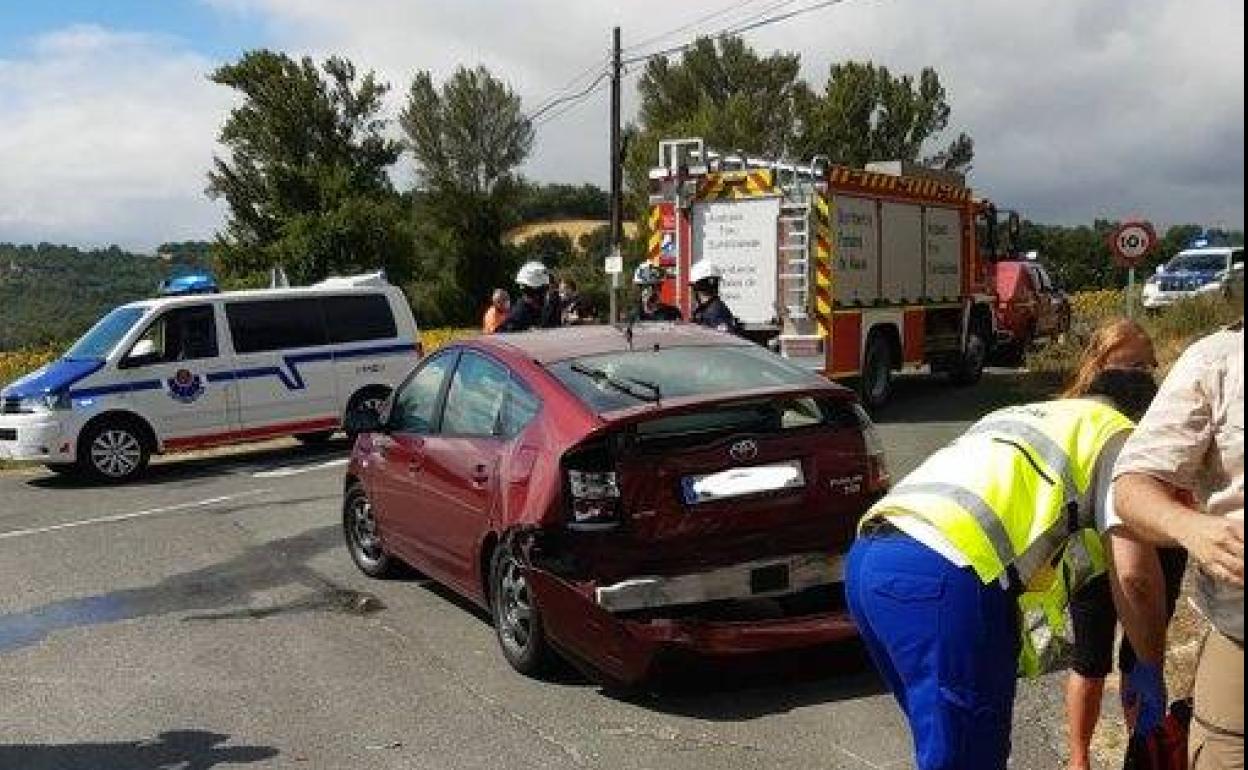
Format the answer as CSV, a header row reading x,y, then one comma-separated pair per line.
x,y
362,530
116,453
515,607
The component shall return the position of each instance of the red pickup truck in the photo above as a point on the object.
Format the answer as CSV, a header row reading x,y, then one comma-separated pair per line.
x,y
1030,307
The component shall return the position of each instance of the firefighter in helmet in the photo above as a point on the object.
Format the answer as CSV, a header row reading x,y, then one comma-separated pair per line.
x,y
648,278
534,281
711,310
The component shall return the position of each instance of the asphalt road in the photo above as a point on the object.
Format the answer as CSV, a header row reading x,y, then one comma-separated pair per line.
x,y
210,617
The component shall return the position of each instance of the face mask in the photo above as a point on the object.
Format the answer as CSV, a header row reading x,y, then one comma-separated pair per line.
x,y
1131,390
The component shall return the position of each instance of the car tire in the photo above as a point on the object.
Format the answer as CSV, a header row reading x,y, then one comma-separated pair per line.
x,y
359,529
875,386
314,439
970,369
113,451
517,619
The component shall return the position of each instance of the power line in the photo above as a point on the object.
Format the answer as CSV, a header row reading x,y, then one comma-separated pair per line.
x,y
689,25
564,100
596,67
741,27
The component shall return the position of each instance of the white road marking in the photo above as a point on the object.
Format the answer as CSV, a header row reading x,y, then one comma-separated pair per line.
x,y
180,507
281,473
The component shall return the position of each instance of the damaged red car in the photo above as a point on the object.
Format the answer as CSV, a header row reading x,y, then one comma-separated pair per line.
x,y
613,494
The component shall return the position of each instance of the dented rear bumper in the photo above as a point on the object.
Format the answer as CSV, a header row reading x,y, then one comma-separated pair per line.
x,y
609,632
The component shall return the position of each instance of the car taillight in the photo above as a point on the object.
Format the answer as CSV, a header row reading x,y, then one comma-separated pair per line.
x,y
595,499
878,477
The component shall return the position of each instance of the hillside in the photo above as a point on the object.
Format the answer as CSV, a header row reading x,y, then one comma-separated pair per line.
x,y
53,293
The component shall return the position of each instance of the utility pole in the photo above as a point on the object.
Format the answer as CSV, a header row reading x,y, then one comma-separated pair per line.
x,y
617,173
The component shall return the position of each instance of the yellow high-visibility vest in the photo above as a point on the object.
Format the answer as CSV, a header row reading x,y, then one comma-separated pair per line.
x,y
1010,494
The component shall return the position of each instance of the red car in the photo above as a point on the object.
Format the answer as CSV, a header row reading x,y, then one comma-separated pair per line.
x,y
609,494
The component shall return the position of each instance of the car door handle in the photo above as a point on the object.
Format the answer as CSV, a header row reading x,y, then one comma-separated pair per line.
x,y
480,475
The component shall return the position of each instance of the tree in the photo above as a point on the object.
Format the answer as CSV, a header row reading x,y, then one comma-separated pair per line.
x,y
723,92
865,114
468,139
306,179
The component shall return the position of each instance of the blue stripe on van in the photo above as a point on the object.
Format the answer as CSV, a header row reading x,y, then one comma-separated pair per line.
x,y
290,377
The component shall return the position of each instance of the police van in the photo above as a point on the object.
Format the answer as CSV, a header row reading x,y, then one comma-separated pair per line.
x,y
206,369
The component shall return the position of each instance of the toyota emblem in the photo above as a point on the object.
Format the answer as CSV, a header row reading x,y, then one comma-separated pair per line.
x,y
743,451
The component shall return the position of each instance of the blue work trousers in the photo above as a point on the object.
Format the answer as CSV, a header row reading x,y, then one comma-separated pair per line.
x,y
946,644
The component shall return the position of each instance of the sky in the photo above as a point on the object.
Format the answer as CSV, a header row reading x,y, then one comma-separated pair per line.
x,y
1080,109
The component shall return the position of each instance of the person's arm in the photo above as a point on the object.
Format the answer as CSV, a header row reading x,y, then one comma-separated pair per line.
x,y
1139,588
1148,506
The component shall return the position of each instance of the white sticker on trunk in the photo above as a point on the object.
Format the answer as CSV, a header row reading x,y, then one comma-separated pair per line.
x,y
741,482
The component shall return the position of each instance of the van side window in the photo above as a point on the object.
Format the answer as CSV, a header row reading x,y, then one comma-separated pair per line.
x,y
181,334
276,324
359,317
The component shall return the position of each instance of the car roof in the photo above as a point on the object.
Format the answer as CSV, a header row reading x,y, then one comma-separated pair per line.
x,y
547,346
1214,250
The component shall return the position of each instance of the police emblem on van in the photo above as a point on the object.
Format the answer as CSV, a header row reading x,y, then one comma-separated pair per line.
x,y
185,386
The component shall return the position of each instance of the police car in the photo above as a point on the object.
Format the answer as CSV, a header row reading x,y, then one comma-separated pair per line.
x,y
201,368
1200,270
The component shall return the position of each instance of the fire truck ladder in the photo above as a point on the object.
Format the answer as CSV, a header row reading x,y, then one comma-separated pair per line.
x,y
794,255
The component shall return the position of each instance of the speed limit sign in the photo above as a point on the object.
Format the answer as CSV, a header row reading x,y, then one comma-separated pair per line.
x,y
1130,243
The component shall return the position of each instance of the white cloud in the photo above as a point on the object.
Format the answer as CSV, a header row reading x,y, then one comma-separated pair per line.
x,y
107,137
1079,108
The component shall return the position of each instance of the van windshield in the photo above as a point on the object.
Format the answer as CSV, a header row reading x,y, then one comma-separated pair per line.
x,y
1202,263
97,343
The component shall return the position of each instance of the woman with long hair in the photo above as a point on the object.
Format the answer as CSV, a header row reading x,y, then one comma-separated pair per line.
x,y
1118,344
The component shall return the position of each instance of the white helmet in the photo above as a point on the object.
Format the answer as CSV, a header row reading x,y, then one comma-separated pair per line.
x,y
533,275
705,270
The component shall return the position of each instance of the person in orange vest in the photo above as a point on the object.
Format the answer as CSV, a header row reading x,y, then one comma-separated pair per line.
x,y
496,313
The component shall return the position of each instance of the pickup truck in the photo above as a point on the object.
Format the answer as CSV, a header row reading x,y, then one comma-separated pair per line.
x,y
1030,307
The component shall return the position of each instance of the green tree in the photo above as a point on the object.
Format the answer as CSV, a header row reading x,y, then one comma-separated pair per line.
x,y
865,113
306,178
468,138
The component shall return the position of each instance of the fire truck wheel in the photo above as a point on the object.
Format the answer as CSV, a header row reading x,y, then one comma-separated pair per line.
x,y
876,385
971,368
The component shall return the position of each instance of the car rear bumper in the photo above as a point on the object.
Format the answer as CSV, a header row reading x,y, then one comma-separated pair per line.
x,y
38,438
623,648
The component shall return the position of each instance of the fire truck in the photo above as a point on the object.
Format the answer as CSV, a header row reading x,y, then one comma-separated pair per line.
x,y
855,273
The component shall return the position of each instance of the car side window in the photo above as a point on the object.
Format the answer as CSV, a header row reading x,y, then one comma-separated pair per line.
x,y
181,334
1237,257
474,403
415,405
519,409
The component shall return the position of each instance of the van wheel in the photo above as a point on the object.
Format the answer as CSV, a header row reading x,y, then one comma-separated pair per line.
x,y
113,451
368,399
313,439
359,528
517,619
876,385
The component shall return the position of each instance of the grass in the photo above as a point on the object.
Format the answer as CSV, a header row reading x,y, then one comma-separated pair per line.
x,y
1172,329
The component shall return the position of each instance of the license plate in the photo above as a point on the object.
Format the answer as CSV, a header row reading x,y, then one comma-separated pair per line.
x,y
742,482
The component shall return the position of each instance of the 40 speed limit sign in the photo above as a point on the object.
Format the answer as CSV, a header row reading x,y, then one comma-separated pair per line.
x,y
1131,242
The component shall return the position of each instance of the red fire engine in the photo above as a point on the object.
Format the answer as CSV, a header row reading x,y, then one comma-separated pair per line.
x,y
856,273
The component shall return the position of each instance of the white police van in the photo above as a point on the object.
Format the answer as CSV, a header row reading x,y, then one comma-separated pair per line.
x,y
199,370
1200,270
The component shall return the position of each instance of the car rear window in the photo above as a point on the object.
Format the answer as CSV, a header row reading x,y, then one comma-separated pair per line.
x,y
613,381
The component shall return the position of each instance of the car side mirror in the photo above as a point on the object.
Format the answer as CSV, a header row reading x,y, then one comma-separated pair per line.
x,y
142,354
363,420
1160,269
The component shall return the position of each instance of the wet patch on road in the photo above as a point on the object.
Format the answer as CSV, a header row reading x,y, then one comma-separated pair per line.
x,y
225,589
